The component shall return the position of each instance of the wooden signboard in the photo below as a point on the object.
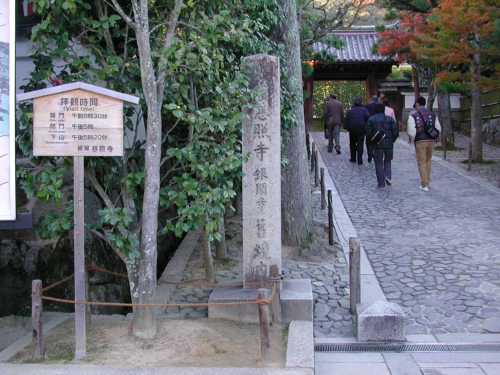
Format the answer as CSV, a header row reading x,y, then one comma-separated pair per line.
x,y
78,119
77,123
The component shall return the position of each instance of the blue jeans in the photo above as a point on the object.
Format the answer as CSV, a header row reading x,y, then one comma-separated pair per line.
x,y
369,148
383,158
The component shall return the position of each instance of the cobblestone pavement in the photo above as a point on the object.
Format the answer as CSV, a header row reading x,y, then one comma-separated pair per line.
x,y
435,253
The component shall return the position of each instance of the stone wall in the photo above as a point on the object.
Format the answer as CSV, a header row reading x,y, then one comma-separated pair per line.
x,y
25,256
491,132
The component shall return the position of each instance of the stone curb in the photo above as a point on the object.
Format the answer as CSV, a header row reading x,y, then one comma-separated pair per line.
x,y
8,369
300,347
175,268
370,287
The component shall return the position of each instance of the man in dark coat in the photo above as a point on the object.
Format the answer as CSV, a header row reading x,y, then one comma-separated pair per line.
x,y
354,123
371,109
334,117
384,151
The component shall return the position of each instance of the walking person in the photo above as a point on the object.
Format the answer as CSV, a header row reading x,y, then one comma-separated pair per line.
x,y
354,123
424,144
381,96
371,109
389,111
334,117
384,151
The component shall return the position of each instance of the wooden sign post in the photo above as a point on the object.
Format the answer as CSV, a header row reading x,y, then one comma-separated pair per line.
x,y
78,119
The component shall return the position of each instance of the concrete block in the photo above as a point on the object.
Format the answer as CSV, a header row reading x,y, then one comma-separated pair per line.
x,y
296,300
300,346
381,321
239,313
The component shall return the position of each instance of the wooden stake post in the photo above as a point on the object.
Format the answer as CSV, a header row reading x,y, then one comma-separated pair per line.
x,y
78,119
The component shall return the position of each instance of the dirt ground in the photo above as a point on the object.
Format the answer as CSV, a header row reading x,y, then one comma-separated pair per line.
x,y
186,343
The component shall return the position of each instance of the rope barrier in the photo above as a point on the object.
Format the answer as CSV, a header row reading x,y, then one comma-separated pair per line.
x,y
256,302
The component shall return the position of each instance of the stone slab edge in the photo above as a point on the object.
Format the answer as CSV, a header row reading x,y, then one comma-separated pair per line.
x,y
24,341
370,287
9,369
175,268
300,347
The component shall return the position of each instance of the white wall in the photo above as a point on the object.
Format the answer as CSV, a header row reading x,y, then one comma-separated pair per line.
x,y
410,99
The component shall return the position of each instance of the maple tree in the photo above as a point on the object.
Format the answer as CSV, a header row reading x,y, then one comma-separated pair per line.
x,y
457,41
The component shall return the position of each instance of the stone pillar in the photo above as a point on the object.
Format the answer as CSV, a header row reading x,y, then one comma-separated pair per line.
x,y
262,179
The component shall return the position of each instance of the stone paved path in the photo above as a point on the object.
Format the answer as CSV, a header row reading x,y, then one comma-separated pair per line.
x,y
437,254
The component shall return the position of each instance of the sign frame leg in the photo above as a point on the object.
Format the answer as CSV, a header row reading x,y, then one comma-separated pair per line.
x,y
79,250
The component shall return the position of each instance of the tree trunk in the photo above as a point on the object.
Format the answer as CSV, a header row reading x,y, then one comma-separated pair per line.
x,y
207,255
220,245
476,126
445,117
431,90
416,86
144,323
476,112
296,205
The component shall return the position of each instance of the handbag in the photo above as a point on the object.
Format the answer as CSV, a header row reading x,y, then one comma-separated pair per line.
x,y
379,135
429,129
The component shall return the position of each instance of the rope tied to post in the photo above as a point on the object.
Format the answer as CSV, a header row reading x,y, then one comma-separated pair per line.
x,y
267,301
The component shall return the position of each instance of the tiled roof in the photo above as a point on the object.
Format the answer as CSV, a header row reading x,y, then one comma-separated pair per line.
x,y
358,47
395,82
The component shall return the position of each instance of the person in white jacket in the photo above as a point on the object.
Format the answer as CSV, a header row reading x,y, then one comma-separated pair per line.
x,y
424,144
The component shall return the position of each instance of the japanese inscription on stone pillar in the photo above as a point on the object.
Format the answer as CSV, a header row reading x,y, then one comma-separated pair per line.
x,y
262,180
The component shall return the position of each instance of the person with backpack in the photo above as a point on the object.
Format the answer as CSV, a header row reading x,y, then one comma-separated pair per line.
x,y
423,127
354,123
382,131
371,109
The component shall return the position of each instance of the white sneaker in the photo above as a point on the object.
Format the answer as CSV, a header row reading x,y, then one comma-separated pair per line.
x,y
425,188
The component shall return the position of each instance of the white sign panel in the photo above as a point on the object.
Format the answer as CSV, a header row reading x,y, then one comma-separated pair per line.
x,y
7,111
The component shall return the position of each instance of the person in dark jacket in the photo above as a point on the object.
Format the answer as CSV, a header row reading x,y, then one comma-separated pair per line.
x,y
334,116
384,151
354,123
371,109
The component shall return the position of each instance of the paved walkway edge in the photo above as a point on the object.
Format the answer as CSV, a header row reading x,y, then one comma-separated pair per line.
x,y
23,342
8,369
371,290
174,270
300,347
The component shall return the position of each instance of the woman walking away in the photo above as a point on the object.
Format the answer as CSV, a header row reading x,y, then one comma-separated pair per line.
x,y
384,150
389,111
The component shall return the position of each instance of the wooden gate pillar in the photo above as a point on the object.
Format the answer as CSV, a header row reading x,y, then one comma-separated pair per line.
x,y
308,104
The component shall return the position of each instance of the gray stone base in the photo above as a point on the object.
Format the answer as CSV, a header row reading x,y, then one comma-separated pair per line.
x,y
380,321
239,313
296,302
